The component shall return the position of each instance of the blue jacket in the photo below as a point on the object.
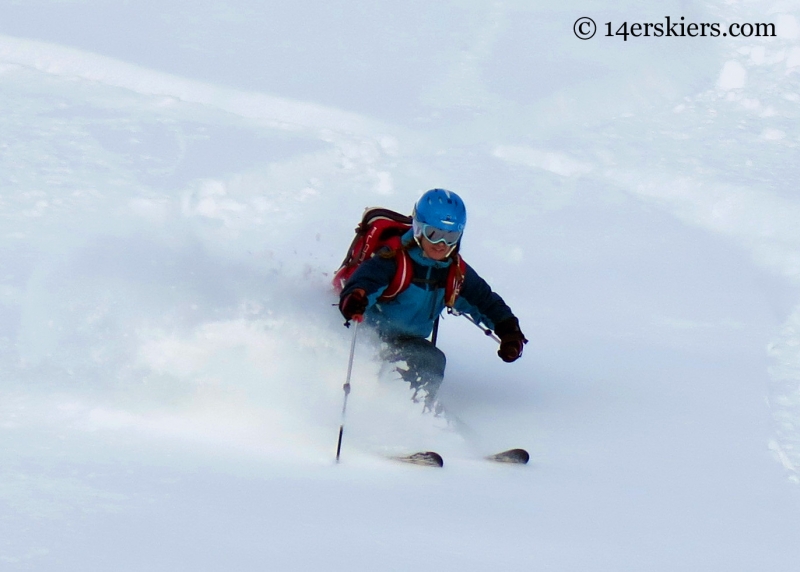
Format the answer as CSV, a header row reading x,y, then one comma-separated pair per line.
x,y
413,311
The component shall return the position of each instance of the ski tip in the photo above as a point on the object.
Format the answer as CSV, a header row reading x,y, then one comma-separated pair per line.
x,y
424,458
515,456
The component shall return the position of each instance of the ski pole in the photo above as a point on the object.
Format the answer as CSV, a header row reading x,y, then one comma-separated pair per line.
x,y
346,386
486,331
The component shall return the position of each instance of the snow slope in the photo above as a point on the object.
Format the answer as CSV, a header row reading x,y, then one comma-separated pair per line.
x,y
178,180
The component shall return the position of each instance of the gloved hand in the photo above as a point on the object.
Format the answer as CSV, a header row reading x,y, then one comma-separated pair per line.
x,y
354,305
511,339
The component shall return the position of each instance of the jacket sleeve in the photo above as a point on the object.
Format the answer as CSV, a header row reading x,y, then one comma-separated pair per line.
x,y
479,301
373,276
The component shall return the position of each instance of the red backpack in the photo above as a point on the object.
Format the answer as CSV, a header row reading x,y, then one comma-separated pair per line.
x,y
381,230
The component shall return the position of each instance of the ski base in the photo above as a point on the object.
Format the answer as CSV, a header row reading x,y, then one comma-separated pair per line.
x,y
515,456
424,458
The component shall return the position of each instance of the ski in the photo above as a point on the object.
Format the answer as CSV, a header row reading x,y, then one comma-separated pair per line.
x,y
515,456
433,459
424,458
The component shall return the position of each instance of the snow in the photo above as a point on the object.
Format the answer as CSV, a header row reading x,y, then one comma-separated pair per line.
x,y
179,180
733,76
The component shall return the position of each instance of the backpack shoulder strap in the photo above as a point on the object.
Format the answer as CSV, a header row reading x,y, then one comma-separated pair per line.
x,y
455,280
402,276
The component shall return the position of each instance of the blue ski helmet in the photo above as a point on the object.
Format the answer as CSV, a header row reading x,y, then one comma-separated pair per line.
x,y
441,209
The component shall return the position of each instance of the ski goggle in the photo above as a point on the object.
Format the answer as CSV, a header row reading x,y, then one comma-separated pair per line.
x,y
437,235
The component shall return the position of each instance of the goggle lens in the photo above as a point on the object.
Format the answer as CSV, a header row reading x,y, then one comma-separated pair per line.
x,y
436,235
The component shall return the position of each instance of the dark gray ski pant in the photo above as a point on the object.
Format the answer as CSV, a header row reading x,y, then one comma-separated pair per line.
x,y
423,369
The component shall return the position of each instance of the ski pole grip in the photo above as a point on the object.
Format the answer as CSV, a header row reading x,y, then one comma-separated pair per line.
x,y
358,318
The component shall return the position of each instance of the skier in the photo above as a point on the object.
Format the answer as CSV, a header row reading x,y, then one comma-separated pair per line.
x,y
406,321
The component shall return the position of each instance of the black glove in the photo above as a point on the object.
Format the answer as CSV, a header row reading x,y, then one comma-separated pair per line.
x,y
511,339
354,305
